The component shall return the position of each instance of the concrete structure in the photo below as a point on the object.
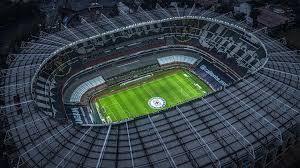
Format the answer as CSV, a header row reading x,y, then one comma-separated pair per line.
x,y
245,124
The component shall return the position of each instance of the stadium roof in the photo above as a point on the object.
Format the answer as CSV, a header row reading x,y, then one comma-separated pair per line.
x,y
239,124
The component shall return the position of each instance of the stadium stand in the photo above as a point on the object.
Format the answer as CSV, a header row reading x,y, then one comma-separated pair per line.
x,y
248,123
84,87
177,59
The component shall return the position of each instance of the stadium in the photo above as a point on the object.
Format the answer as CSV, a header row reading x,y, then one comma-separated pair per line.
x,y
169,87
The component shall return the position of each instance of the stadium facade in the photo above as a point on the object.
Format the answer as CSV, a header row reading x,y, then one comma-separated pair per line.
x,y
248,121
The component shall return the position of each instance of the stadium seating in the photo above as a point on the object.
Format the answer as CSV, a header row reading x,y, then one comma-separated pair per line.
x,y
209,76
84,87
241,124
177,59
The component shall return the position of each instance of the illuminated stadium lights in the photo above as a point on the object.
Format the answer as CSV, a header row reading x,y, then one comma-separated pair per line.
x,y
239,124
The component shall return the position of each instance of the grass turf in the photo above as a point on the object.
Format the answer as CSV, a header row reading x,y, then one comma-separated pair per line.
x,y
130,101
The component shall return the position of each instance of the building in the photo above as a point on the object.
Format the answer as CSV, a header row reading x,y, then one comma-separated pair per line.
x,y
272,18
250,119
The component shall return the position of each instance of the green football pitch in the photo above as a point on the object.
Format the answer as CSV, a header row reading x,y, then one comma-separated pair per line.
x,y
135,99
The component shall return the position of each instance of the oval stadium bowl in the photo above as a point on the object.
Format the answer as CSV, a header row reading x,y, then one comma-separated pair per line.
x,y
162,88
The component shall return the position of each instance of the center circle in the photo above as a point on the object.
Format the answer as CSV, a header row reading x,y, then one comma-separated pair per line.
x,y
157,102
